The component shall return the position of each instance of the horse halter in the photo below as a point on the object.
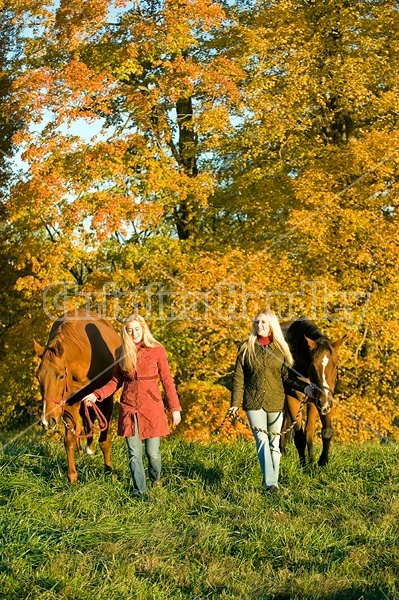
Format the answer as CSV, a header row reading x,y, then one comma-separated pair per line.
x,y
316,377
324,387
329,404
64,391
321,387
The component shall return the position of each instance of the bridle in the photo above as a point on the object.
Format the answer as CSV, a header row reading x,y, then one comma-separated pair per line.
x,y
321,387
64,391
103,424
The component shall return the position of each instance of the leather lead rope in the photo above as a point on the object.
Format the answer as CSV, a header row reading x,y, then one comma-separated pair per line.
x,y
235,417
102,422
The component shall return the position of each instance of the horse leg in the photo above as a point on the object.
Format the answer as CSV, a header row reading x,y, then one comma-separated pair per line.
x,y
105,436
326,435
90,448
299,434
310,429
300,444
285,437
71,417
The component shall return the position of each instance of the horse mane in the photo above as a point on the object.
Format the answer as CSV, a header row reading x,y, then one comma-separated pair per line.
x,y
323,345
73,327
66,330
305,327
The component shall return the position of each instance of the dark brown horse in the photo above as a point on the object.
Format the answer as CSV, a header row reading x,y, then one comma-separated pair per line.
x,y
78,358
315,360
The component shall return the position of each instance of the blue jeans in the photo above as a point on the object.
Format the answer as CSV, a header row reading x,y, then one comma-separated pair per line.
x,y
135,453
267,446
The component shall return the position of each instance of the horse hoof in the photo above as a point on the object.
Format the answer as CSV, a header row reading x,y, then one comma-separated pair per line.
x,y
89,450
107,470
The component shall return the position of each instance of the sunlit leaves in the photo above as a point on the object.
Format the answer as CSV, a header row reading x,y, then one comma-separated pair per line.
x,y
241,156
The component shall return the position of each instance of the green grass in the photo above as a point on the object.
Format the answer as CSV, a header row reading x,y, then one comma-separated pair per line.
x,y
210,532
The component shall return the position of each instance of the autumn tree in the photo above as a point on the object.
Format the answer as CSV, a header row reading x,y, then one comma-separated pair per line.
x,y
160,83
14,310
197,160
312,171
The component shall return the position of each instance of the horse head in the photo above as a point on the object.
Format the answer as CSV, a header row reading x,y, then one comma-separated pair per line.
x,y
323,370
52,375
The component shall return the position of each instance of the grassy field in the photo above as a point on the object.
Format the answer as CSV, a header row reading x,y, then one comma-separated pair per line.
x,y
210,532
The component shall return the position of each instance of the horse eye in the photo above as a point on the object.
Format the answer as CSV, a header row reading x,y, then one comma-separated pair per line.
x,y
61,377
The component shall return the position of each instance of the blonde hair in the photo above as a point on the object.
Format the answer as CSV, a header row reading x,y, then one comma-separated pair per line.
x,y
128,359
248,347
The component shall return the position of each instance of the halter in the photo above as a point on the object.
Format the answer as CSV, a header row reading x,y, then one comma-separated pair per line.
x,y
66,388
317,400
103,423
64,391
320,386
324,387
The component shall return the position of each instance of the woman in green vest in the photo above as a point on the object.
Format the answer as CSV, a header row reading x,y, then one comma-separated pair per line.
x,y
261,370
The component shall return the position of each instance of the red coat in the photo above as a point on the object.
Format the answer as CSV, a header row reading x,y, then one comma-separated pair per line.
x,y
141,395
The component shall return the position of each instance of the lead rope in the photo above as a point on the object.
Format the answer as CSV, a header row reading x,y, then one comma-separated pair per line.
x,y
102,422
235,417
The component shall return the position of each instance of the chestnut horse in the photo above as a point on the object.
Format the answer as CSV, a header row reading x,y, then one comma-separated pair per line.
x,y
78,358
315,360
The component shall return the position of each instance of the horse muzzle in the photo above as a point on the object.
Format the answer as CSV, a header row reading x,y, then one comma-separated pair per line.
x,y
324,404
51,415
50,424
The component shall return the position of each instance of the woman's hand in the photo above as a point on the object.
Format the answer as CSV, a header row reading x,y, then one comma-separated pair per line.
x,y
232,411
310,392
176,417
90,399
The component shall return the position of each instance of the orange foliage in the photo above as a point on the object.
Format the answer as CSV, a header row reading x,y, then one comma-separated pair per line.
x,y
359,419
245,158
204,408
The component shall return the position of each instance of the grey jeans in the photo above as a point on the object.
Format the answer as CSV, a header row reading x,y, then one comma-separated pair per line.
x,y
267,446
135,453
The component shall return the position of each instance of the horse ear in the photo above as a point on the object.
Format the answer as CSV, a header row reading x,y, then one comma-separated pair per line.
x,y
38,349
312,345
339,341
58,349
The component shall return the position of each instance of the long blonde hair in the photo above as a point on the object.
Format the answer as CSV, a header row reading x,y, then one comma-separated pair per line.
x,y
128,359
248,347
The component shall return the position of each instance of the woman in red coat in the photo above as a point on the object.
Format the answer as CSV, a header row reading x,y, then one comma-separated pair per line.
x,y
141,361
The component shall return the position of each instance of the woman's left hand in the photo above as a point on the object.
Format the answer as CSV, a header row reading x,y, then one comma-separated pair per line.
x,y
90,399
310,392
176,417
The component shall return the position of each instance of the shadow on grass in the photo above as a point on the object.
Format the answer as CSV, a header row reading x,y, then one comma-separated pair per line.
x,y
347,594
45,458
210,476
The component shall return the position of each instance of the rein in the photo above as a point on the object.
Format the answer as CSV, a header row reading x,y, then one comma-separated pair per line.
x,y
64,391
102,421
235,417
323,387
